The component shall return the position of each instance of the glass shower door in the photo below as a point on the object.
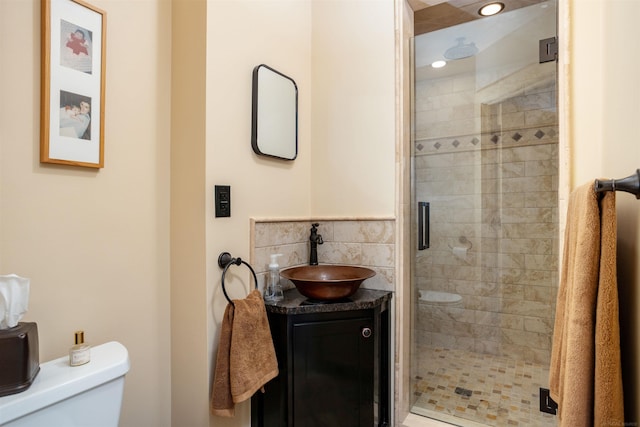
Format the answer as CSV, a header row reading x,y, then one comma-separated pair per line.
x,y
485,179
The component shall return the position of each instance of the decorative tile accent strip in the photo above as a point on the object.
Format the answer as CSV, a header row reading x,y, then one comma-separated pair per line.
x,y
523,137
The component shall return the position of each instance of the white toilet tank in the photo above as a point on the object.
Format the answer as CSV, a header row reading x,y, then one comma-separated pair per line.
x,y
87,395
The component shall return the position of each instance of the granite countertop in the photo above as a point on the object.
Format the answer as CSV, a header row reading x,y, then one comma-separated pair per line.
x,y
296,303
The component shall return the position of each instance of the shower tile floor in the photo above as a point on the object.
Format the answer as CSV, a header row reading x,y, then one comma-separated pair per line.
x,y
491,390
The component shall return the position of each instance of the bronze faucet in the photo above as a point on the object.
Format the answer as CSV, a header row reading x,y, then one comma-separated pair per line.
x,y
315,239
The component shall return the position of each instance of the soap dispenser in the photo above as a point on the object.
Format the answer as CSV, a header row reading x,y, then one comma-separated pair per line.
x,y
273,290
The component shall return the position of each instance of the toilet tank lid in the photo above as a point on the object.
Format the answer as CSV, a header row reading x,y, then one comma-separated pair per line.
x,y
57,380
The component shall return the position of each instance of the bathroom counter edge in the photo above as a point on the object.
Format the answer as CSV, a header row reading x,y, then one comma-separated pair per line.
x,y
363,299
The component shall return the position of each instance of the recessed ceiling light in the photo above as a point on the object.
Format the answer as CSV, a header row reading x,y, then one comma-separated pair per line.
x,y
491,9
438,64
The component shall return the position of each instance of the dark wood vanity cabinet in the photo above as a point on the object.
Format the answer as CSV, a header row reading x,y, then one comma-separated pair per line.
x,y
333,361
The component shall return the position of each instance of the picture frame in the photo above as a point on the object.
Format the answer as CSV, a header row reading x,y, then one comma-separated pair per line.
x,y
72,83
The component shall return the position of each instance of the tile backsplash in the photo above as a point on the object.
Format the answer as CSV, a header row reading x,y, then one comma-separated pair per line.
x,y
364,242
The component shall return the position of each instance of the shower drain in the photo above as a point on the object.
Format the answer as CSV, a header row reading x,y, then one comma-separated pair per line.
x,y
463,391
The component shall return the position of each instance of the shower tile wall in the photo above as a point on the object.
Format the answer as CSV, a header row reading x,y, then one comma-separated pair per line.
x,y
364,242
487,162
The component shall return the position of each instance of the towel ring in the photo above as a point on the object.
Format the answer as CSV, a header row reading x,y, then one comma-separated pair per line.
x,y
225,260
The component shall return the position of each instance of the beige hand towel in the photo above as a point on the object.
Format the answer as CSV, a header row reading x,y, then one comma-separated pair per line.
x,y
585,376
246,357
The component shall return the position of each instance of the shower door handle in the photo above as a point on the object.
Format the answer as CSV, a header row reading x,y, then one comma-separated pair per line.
x,y
423,225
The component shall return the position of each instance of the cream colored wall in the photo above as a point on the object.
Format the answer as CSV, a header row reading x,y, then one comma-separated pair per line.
x,y
189,357
353,109
605,109
241,35
95,244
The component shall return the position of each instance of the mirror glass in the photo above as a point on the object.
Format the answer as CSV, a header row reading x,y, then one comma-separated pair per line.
x,y
274,130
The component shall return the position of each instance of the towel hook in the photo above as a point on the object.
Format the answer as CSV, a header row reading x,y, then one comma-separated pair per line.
x,y
225,260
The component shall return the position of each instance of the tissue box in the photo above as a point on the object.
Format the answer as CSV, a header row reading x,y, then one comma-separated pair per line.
x,y
19,357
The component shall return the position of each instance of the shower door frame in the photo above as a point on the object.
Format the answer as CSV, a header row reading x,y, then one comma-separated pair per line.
x,y
402,339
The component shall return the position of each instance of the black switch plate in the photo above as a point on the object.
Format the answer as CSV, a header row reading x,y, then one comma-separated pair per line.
x,y
547,404
223,201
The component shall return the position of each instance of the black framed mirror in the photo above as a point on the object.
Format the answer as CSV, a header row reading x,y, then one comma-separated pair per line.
x,y
274,118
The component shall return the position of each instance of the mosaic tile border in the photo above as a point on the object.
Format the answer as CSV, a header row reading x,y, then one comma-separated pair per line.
x,y
513,138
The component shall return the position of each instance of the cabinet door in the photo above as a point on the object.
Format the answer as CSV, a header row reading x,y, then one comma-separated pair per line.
x,y
333,370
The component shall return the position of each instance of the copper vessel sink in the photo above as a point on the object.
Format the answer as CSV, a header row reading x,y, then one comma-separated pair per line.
x,y
327,282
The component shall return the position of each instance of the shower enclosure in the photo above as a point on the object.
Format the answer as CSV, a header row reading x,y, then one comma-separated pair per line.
x,y
485,180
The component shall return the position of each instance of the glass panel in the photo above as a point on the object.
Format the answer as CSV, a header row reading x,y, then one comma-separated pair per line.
x,y
485,159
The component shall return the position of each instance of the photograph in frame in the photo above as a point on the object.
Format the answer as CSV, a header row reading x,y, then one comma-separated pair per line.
x,y
73,66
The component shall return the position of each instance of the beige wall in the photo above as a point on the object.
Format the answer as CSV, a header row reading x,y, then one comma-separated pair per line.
x,y
95,244
277,34
605,109
189,358
353,128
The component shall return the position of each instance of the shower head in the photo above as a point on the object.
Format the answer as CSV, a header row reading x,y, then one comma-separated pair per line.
x,y
461,50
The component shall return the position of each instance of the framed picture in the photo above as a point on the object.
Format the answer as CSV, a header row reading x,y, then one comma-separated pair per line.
x,y
73,72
